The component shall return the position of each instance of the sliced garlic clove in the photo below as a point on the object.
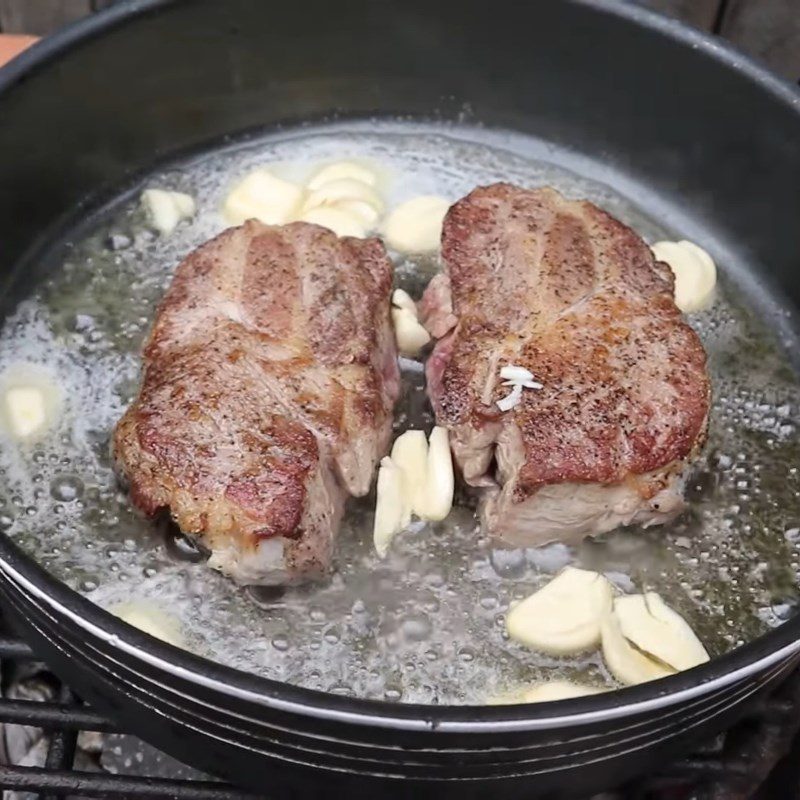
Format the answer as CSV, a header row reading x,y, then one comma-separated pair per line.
x,y
510,698
426,469
514,374
701,254
410,336
627,664
512,399
262,196
31,401
366,214
333,192
438,494
563,617
402,299
694,270
166,209
657,630
558,690
333,218
152,620
544,692
416,225
339,170
410,454
26,410
185,204
392,510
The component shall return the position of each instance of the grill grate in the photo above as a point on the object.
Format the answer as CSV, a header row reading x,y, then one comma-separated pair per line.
x,y
749,762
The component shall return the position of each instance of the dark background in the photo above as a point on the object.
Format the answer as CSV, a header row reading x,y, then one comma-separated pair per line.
x,y
767,29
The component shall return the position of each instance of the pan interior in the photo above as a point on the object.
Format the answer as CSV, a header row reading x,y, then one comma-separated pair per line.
x,y
426,624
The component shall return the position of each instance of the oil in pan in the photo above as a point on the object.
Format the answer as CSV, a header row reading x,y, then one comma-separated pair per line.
x,y
426,624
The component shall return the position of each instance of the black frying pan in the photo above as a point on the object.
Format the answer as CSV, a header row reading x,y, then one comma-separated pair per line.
x,y
83,111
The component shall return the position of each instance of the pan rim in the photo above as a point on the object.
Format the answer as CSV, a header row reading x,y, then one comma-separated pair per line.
x,y
20,571
50,47
739,664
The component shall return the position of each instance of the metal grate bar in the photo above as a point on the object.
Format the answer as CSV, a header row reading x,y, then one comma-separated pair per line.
x,y
58,783
63,743
53,716
15,649
709,768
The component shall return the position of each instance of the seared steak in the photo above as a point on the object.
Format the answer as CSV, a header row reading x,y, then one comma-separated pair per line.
x,y
574,296
269,381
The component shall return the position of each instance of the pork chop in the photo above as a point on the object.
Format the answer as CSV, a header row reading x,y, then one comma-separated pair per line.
x,y
571,294
270,377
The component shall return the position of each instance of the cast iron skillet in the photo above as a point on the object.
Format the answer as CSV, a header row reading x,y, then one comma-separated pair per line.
x,y
82,111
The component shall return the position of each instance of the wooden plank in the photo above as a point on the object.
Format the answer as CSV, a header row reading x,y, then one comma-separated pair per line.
x,y
12,45
700,13
40,16
769,30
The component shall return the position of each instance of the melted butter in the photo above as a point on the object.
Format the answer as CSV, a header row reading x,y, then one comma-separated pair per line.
x,y
428,623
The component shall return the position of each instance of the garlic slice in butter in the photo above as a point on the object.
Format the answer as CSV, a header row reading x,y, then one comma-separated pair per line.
x,y
409,334
558,690
262,196
402,299
392,508
694,270
151,619
410,454
339,170
544,692
654,628
336,220
428,469
26,410
416,225
31,401
565,616
166,209
437,500
343,189
627,664
366,214
417,478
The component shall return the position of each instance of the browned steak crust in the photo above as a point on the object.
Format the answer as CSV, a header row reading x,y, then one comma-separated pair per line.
x,y
269,381
573,295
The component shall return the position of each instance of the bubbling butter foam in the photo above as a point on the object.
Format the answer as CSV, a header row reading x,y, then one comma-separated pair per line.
x,y
427,624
